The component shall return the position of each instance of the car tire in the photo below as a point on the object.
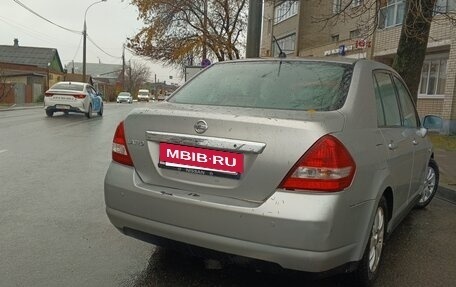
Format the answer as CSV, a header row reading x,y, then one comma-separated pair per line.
x,y
49,113
431,184
89,112
368,267
100,112
66,113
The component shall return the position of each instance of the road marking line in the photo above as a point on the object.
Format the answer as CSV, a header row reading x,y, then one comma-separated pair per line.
x,y
3,150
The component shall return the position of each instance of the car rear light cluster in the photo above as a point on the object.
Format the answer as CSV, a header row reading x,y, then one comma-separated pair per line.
x,y
77,96
120,152
327,166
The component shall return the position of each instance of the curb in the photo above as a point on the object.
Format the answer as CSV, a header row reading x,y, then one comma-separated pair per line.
x,y
16,108
446,194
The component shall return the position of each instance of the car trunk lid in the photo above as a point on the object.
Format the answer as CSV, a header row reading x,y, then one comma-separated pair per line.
x,y
240,153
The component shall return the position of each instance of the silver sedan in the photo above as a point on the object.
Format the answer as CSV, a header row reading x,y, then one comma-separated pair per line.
x,y
304,163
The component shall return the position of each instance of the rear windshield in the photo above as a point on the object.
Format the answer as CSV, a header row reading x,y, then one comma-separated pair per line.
x,y
292,85
143,93
66,86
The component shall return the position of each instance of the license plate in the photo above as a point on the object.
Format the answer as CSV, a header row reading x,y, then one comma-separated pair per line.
x,y
62,107
201,160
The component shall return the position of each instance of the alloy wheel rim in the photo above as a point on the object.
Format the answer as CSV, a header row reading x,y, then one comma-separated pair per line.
x,y
376,242
429,185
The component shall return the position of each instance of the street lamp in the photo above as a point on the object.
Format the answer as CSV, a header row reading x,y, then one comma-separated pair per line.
x,y
84,33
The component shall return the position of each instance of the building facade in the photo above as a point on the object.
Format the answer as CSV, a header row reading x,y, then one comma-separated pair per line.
x,y
367,29
29,70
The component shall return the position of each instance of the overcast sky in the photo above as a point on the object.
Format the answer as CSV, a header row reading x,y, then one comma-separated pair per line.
x,y
108,25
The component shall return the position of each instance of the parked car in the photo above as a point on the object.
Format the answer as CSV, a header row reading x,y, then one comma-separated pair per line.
x,y
73,97
124,97
143,95
305,163
161,97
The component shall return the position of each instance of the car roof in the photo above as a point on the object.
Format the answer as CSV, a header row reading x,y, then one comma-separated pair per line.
x,y
336,60
71,83
341,60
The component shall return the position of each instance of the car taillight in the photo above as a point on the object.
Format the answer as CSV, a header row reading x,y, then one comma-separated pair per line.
x,y
48,94
79,96
120,152
327,166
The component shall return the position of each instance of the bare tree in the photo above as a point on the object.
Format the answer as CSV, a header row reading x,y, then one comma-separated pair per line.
x,y
179,29
5,87
137,74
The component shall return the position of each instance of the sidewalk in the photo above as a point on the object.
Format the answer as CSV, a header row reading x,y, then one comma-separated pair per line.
x,y
21,107
447,167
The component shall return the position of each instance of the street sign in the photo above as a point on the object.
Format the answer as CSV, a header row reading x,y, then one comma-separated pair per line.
x,y
205,62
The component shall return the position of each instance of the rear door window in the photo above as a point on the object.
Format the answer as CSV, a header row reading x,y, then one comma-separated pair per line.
x,y
385,90
410,118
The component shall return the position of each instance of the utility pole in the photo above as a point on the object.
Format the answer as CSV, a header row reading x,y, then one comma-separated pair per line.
x,y
204,31
254,28
130,83
84,42
123,68
84,45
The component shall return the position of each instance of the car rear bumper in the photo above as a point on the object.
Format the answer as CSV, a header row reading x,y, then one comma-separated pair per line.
x,y
74,107
305,232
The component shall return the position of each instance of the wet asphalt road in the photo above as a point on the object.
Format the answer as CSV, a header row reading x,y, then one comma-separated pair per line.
x,y
54,231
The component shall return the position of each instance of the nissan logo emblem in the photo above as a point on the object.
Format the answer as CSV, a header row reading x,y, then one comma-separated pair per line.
x,y
200,126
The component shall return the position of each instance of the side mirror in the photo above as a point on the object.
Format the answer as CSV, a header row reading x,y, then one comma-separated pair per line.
x,y
433,123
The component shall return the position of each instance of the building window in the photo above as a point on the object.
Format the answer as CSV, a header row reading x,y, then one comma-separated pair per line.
x,y
287,44
285,10
335,38
337,6
355,34
433,77
392,14
444,6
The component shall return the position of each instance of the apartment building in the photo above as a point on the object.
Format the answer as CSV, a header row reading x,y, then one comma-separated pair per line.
x,y
309,28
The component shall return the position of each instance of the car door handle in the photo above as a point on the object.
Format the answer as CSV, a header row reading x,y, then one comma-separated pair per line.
x,y
392,146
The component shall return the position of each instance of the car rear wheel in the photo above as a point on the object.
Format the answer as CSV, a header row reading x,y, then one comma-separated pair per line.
x,y
431,183
100,112
89,112
49,113
368,267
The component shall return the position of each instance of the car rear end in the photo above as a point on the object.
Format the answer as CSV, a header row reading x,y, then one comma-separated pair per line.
x,y
124,98
67,97
143,95
243,166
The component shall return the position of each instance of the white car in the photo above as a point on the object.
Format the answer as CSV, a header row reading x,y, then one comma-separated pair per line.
x,y
124,97
73,97
143,95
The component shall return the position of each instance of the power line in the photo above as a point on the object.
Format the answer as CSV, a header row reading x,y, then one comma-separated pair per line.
x,y
30,32
64,28
79,46
90,39
45,19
